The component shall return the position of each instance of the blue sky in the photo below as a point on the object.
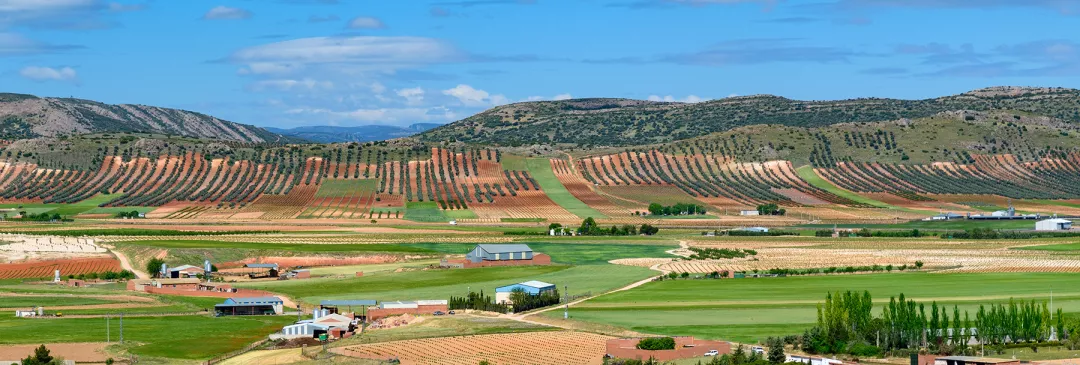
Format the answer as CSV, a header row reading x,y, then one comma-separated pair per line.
x,y
289,63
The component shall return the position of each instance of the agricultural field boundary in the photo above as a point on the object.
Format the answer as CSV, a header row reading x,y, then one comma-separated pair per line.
x,y
540,169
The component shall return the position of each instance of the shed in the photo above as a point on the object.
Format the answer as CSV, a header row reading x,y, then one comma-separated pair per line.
x,y
502,293
486,252
749,212
1055,224
754,229
185,271
250,306
262,266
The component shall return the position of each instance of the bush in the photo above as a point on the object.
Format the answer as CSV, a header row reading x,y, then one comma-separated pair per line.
x,y
864,350
656,343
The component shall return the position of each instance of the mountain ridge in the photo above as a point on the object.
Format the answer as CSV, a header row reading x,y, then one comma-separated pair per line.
x,y
30,116
624,122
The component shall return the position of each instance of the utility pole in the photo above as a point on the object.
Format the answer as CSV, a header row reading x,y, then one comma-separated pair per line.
x,y
566,310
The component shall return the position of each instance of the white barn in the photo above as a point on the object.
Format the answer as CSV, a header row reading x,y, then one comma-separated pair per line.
x,y
1055,224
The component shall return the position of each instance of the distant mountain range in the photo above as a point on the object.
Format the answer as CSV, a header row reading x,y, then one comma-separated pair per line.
x,y
29,116
364,133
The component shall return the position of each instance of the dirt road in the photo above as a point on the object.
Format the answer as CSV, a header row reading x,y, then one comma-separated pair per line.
x,y
125,263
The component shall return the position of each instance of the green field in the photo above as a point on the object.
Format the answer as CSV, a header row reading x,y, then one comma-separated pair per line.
x,y
807,173
66,209
114,210
177,337
424,212
512,162
441,284
32,301
346,187
750,309
569,253
1057,247
540,169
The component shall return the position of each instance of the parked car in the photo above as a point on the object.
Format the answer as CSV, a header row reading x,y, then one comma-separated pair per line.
x,y
712,353
438,313
451,313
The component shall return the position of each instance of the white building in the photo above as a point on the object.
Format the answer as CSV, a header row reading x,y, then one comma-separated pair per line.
x,y
811,360
1055,224
749,212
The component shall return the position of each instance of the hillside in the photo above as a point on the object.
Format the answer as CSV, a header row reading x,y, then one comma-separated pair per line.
x,y
28,116
364,133
622,122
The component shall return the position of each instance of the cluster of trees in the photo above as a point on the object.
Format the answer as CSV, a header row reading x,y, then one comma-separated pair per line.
x,y
523,301
677,209
656,343
719,253
42,217
771,209
843,270
476,301
128,215
845,324
108,275
589,227
43,356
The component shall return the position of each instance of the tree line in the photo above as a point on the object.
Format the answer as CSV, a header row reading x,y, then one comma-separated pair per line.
x,y
677,209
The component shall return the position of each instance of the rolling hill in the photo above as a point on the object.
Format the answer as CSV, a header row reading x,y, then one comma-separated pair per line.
x,y
28,116
623,122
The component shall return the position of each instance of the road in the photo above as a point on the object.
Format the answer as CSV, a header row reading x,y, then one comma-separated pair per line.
x,y
125,263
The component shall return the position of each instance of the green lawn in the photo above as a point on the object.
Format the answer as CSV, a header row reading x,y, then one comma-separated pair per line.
x,y
751,309
441,284
540,169
570,253
181,337
1057,247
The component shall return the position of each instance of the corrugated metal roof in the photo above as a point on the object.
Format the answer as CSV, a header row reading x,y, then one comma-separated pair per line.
x,y
184,267
345,303
256,300
262,266
537,284
506,248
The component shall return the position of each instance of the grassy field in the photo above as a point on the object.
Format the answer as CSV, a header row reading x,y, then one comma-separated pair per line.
x,y
114,210
66,209
750,309
570,253
540,169
513,162
441,284
807,173
179,337
31,301
460,214
424,212
346,187
1057,247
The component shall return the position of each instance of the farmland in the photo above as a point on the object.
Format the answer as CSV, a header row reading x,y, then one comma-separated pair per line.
x,y
749,309
525,348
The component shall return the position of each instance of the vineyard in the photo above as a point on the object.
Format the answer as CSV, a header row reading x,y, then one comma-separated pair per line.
x,y
45,269
562,347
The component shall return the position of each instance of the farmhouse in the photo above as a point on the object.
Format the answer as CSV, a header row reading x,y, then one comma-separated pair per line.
x,y
250,306
185,271
485,255
1055,224
334,325
502,293
685,347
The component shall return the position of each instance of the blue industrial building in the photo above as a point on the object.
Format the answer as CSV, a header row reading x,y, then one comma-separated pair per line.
x,y
484,252
502,293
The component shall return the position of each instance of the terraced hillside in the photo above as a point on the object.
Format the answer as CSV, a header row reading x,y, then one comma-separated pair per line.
x,y
623,122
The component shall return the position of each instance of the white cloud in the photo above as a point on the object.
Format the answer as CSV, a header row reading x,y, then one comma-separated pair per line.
x,y
563,97
377,88
473,97
225,12
671,99
361,52
413,96
366,22
49,74
289,85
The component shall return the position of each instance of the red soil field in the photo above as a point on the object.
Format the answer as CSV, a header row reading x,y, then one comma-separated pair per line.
x,y
44,269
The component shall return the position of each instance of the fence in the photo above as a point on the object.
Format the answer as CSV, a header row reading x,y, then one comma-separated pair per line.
x,y
236,353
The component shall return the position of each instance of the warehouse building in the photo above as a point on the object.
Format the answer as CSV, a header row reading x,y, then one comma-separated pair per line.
x,y
250,306
486,255
1055,224
502,293
419,307
185,271
333,324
